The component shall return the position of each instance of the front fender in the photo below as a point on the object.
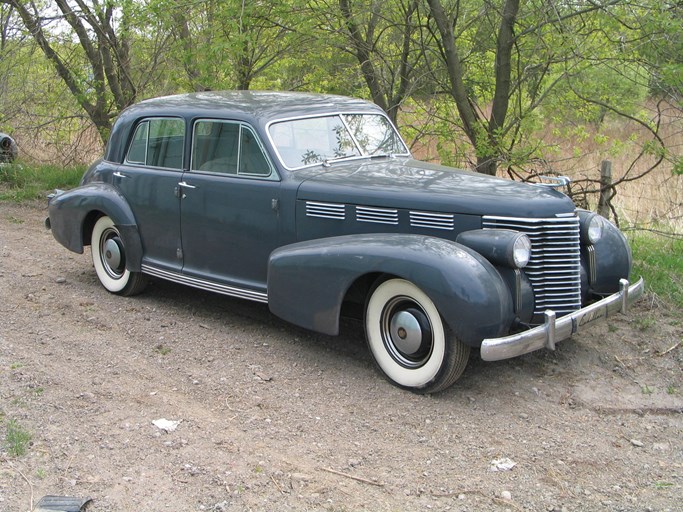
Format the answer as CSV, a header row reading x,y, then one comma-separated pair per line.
x,y
70,211
307,281
609,260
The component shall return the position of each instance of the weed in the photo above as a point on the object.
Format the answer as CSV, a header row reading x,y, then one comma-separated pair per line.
x,y
663,485
38,391
645,323
612,328
16,366
646,390
17,439
162,350
671,389
40,473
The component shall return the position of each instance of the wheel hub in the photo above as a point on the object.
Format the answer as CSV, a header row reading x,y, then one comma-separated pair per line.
x,y
406,332
113,254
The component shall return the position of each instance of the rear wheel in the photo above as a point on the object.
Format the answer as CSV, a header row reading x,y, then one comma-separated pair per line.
x,y
409,341
109,259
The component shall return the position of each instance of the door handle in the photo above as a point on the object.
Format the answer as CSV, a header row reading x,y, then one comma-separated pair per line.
x,y
185,185
120,175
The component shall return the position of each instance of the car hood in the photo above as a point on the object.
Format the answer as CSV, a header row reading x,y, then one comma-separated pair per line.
x,y
408,183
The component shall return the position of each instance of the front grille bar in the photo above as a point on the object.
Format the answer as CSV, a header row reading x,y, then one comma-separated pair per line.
x,y
554,269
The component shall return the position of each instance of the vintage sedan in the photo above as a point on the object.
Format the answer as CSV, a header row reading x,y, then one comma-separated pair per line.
x,y
314,205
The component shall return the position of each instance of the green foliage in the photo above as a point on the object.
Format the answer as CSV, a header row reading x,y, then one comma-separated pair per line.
x,y
17,439
658,260
23,182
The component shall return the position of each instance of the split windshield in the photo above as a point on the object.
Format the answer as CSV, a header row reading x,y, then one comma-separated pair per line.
x,y
315,140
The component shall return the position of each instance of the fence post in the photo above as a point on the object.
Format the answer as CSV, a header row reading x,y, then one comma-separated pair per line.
x,y
606,192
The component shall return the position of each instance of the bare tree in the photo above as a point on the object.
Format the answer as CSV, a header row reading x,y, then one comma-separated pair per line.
x,y
107,85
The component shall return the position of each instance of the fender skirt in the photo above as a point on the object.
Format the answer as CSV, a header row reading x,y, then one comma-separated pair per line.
x,y
307,281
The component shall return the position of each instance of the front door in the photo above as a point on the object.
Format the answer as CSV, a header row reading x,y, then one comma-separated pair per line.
x,y
229,219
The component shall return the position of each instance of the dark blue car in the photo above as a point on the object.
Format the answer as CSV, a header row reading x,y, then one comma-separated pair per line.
x,y
314,205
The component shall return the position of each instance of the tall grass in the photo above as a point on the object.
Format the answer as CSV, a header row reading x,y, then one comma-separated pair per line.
x,y
660,261
20,182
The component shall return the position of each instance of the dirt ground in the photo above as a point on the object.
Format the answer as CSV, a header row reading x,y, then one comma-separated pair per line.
x,y
273,417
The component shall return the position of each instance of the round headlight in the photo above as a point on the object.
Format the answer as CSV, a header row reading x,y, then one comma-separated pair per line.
x,y
521,251
594,229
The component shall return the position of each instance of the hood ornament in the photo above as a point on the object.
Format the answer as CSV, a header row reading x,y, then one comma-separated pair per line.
x,y
554,181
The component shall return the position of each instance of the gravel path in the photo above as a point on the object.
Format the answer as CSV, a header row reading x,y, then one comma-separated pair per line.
x,y
272,417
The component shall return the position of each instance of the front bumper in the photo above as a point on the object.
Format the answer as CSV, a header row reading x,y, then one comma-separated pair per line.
x,y
558,329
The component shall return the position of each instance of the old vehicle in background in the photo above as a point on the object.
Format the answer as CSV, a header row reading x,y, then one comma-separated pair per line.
x,y
314,205
8,149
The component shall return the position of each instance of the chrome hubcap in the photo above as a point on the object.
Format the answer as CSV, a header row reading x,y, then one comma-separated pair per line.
x,y
407,332
112,254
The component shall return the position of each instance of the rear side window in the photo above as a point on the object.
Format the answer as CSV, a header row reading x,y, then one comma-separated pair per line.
x,y
158,143
226,147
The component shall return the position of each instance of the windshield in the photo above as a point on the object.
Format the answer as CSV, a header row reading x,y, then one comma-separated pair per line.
x,y
314,140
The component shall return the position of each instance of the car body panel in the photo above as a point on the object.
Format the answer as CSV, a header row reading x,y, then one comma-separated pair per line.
x,y
468,291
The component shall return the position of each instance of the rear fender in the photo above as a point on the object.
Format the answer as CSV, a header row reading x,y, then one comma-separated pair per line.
x,y
72,215
307,281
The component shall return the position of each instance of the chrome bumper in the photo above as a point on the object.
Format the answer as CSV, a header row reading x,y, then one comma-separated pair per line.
x,y
558,329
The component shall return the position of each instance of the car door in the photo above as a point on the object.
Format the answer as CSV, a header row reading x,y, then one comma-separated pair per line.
x,y
229,209
148,179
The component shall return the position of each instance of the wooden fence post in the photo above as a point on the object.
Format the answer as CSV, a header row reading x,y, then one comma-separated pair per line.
x,y
606,192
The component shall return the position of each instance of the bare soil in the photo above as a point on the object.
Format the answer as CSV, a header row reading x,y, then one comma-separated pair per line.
x,y
273,417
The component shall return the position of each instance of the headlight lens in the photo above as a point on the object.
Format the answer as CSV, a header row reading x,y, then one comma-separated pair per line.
x,y
594,228
521,251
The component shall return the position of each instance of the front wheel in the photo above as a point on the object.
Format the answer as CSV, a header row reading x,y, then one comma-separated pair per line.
x,y
409,341
109,259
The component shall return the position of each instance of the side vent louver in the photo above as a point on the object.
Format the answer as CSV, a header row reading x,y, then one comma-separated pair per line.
x,y
432,220
326,210
376,215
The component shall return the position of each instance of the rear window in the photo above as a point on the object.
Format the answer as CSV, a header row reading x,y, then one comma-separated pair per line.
x,y
158,143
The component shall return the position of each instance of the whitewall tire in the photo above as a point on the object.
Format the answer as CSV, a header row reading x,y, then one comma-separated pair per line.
x,y
408,339
109,260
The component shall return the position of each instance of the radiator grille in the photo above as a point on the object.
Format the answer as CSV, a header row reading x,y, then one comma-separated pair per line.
x,y
555,266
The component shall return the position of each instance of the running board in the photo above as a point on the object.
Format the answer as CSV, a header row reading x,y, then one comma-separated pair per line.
x,y
202,284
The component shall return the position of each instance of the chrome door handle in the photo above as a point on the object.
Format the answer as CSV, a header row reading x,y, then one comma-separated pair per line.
x,y
185,185
120,175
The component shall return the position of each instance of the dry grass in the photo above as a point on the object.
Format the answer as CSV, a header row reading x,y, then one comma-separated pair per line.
x,y
646,197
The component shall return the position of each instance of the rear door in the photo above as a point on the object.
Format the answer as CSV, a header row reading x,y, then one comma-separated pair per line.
x,y
148,179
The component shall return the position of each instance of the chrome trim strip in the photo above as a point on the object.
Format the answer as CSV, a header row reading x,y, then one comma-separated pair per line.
x,y
203,284
555,330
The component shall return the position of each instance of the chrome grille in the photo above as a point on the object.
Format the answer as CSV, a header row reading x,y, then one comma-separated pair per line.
x,y
432,220
376,215
555,266
326,210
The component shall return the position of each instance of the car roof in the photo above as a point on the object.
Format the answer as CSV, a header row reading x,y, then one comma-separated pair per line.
x,y
255,107
262,104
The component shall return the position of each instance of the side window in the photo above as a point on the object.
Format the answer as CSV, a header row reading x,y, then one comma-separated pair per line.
x,y
158,143
228,148
215,147
252,159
